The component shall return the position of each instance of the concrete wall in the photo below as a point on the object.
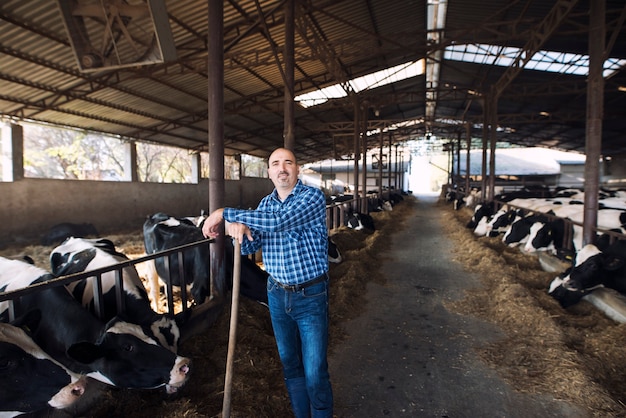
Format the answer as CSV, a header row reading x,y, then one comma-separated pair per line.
x,y
29,207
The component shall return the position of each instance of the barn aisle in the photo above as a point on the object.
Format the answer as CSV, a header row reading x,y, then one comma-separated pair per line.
x,y
407,355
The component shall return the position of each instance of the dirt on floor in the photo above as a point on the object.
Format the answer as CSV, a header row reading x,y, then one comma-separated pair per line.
x,y
578,354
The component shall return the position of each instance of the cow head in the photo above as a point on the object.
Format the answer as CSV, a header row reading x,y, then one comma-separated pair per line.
x,y
122,350
30,379
561,290
587,274
77,255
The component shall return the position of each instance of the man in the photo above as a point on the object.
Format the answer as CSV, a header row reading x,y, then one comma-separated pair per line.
x,y
290,226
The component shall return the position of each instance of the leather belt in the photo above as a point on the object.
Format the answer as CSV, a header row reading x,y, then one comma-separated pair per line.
x,y
298,287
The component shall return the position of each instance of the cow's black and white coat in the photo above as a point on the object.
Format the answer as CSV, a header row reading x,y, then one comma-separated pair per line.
x,y
77,255
163,232
115,352
31,380
593,268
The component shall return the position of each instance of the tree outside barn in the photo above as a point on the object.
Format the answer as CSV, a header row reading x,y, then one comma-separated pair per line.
x,y
57,153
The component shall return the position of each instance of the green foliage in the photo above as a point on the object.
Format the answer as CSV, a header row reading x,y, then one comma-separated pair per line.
x,y
58,153
66,154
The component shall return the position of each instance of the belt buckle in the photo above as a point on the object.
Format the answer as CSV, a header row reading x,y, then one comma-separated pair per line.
x,y
290,287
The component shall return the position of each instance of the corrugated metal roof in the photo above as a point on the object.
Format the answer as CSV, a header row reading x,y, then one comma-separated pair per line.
x,y
335,40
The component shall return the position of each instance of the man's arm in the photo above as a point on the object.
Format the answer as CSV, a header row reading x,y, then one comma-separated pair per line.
x,y
304,212
211,227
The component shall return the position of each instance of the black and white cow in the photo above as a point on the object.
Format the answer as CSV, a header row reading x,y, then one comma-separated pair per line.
x,y
548,235
519,230
334,255
482,213
359,221
163,232
593,268
501,221
550,229
60,232
31,380
486,223
77,255
469,200
114,352
377,204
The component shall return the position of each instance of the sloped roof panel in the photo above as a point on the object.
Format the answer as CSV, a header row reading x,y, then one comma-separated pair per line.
x,y
166,103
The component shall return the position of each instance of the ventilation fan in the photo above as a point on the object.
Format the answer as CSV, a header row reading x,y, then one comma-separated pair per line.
x,y
107,34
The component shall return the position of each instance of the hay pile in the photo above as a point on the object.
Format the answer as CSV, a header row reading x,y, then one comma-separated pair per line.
x,y
258,389
578,354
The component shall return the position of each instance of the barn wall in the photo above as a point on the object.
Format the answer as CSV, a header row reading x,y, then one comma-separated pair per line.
x,y
29,207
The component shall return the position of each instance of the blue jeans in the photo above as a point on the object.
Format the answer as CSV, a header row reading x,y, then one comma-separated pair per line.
x,y
300,322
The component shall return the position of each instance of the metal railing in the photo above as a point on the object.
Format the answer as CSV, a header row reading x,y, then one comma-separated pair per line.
x,y
14,295
336,211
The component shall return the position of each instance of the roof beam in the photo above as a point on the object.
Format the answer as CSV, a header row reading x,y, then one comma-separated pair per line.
x,y
538,37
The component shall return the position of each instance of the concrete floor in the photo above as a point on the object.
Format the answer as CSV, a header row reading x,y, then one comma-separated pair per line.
x,y
407,356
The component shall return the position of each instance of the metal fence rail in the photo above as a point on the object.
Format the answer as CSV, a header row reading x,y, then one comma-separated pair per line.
x,y
13,296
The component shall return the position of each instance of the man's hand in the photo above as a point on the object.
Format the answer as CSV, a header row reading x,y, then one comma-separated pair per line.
x,y
211,227
238,231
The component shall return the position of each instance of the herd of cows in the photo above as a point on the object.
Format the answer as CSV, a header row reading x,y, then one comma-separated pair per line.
x,y
54,339
539,220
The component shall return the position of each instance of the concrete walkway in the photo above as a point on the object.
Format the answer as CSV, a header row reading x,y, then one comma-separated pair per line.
x,y
407,356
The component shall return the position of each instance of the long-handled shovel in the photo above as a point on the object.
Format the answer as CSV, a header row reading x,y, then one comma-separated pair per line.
x,y
232,336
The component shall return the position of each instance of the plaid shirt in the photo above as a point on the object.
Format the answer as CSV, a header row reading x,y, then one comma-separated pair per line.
x,y
292,233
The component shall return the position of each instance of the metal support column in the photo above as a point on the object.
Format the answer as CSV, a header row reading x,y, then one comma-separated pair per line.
x,y
357,137
483,167
493,123
364,152
468,171
593,136
289,136
389,164
215,66
380,163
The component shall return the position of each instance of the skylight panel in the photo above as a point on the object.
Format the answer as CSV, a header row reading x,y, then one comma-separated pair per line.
x,y
368,81
550,61
320,96
388,76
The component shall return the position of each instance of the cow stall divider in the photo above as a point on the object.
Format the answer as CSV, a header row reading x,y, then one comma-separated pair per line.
x,y
336,212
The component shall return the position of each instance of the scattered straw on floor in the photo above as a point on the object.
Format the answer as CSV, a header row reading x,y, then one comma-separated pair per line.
x,y
578,354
